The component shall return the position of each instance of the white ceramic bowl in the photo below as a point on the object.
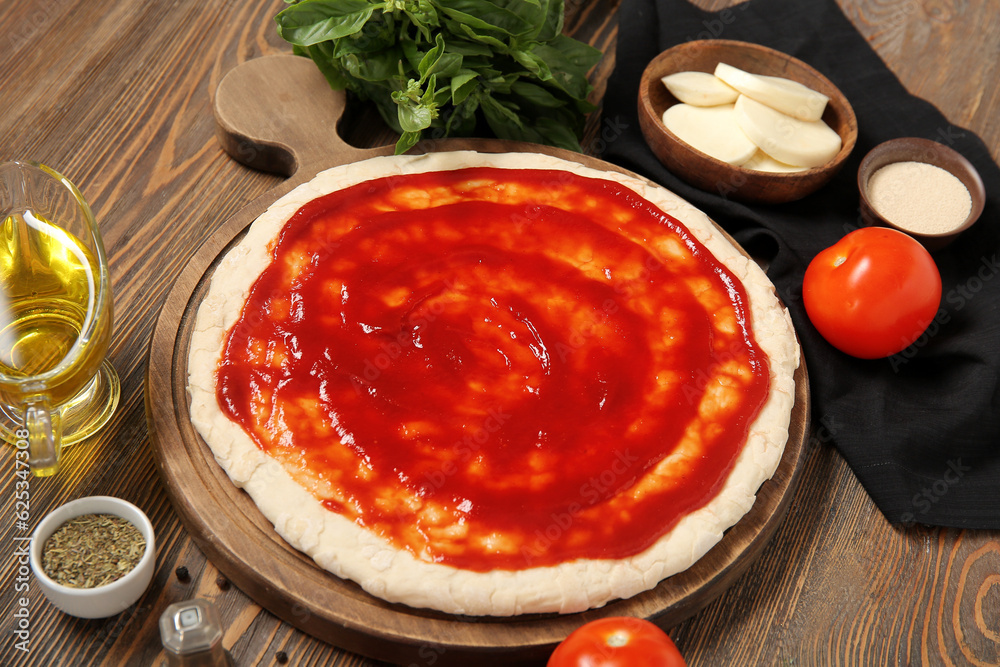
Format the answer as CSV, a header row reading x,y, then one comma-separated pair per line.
x,y
102,601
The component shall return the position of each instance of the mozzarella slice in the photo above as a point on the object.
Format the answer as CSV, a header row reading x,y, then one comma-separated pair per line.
x,y
787,96
712,130
701,89
761,161
787,139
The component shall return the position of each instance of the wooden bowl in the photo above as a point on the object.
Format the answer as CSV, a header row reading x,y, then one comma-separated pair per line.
x,y
913,149
713,175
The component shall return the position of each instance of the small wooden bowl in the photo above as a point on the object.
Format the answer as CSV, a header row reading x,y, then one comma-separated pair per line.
x,y
713,175
913,149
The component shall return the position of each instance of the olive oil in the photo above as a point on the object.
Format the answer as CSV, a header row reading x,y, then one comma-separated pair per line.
x,y
52,311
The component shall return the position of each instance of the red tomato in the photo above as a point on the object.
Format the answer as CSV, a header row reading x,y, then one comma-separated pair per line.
x,y
617,641
873,293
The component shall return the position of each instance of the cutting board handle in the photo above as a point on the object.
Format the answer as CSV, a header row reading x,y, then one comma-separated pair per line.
x,y
278,113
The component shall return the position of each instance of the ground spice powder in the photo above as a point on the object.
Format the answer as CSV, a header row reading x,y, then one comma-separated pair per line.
x,y
919,197
92,550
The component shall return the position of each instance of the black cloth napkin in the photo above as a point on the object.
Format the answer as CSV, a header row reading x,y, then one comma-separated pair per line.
x,y
921,429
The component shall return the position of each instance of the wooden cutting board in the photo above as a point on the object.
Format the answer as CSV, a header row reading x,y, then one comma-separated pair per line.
x,y
278,114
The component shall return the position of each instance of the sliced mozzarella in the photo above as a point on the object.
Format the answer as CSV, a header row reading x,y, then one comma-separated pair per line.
x,y
701,89
712,130
761,161
787,96
789,140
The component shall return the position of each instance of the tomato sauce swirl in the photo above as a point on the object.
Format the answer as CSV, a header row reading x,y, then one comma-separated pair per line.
x,y
497,369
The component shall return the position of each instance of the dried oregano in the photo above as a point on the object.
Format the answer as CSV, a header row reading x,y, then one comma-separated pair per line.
x,y
92,550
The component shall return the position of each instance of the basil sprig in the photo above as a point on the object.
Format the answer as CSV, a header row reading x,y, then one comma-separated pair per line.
x,y
452,67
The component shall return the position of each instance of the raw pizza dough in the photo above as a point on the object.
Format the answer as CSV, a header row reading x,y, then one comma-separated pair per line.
x,y
396,575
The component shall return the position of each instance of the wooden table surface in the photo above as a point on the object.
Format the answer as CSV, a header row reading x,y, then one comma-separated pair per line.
x,y
118,96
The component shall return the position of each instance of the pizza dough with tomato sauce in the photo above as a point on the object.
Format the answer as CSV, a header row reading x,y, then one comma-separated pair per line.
x,y
493,384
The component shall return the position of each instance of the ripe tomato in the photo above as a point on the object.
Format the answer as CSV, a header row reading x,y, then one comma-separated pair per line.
x,y
617,641
873,293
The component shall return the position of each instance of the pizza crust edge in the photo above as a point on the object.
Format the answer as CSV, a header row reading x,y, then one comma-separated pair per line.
x,y
348,551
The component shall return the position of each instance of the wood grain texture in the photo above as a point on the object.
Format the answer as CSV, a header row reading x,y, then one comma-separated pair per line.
x,y
118,97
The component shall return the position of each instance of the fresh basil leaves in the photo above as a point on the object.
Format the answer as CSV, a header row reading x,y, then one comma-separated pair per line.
x,y
452,67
